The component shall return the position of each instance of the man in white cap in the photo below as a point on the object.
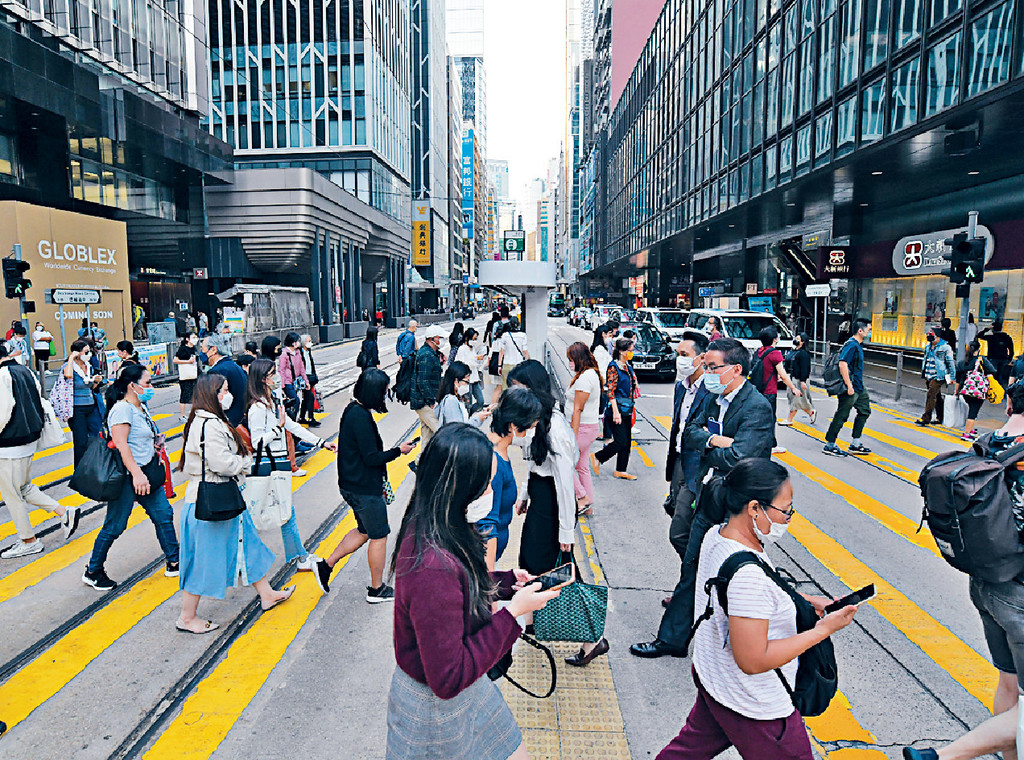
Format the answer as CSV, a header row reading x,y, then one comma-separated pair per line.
x,y
427,381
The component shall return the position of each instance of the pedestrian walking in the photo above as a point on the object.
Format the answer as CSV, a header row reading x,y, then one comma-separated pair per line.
x,y
489,329
798,365
368,356
85,421
584,392
42,345
494,362
512,350
21,424
441,705
851,369
405,346
603,341
713,329
10,330
939,369
455,338
469,354
217,350
426,382
972,328
138,442
204,324
947,333
126,354
216,556
450,405
292,372
187,364
17,345
1000,349
972,383
362,475
745,422
306,415
516,414
739,655
268,423
620,389
766,371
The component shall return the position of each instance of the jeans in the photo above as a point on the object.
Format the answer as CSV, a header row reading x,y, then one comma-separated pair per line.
x,y
291,393
678,618
773,400
582,479
119,510
293,546
85,423
847,403
622,442
934,402
476,390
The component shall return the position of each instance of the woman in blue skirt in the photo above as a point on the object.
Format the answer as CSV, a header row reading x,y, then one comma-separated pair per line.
x,y
216,556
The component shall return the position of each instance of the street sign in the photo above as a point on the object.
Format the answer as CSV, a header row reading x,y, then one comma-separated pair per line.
x,y
68,295
818,291
514,241
705,292
751,288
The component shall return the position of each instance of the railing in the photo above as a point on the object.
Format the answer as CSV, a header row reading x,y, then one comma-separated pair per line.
x,y
556,383
888,369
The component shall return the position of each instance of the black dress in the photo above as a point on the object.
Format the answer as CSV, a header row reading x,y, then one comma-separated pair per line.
x,y
539,549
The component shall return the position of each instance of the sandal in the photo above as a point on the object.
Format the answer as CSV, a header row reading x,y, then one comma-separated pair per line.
x,y
208,627
287,590
587,511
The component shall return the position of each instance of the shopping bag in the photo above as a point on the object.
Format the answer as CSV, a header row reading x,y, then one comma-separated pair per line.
x,y
577,614
318,402
168,485
268,491
53,431
62,397
101,474
995,391
954,411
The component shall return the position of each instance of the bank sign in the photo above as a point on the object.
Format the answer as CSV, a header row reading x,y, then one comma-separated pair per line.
x,y
922,254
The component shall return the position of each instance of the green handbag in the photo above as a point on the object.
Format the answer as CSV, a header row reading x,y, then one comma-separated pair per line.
x,y
577,614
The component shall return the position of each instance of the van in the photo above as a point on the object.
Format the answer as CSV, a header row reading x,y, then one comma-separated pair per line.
x,y
744,326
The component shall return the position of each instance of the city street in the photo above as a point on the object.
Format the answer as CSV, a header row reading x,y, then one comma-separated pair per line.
x,y
90,675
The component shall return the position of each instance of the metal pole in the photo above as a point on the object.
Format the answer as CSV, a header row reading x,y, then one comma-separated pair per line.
x,y
815,348
965,303
899,375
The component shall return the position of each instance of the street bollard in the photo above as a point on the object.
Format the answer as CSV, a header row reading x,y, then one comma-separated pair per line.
x,y
899,374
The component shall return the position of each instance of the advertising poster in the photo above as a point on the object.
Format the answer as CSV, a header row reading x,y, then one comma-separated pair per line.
x,y
154,358
935,308
892,302
234,319
991,304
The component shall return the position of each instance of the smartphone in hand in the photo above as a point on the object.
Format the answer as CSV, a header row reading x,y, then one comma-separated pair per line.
x,y
714,426
857,597
557,578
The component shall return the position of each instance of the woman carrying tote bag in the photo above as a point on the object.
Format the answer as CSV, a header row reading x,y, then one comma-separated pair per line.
x,y
268,424
211,559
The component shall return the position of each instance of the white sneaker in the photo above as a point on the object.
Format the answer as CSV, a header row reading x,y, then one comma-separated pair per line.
x,y
779,450
299,473
22,549
70,521
309,563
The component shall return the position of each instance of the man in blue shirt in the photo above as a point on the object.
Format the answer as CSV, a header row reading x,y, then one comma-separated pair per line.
x,y
406,345
851,367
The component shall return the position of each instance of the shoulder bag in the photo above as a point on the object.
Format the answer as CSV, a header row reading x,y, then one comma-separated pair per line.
x,y
53,433
268,490
578,613
299,381
216,502
101,473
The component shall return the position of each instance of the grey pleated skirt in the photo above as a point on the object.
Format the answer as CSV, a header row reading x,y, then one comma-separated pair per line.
x,y
473,725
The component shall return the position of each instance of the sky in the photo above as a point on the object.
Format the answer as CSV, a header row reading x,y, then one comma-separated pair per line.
x,y
524,54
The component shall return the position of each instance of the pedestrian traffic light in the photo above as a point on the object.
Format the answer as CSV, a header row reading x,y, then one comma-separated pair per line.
x,y
959,250
974,261
15,283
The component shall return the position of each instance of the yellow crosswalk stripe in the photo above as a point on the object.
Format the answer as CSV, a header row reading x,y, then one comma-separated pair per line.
x,y
838,723
950,439
939,431
52,670
643,454
220,699
881,462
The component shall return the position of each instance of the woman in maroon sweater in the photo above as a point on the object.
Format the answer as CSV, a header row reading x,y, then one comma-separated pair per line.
x,y
442,705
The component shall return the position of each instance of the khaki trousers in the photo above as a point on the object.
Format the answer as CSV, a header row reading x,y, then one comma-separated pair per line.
x,y
18,491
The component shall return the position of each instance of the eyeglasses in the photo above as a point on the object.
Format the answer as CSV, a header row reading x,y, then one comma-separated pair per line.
x,y
716,367
787,512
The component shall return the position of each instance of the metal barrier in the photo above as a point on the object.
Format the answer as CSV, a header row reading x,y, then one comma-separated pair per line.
x,y
556,383
888,368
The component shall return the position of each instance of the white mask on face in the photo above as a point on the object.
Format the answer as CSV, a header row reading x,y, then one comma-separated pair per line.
x,y
480,508
775,532
684,367
226,401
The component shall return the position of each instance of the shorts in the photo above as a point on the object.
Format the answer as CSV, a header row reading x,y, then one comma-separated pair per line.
x,y
1001,606
505,369
371,513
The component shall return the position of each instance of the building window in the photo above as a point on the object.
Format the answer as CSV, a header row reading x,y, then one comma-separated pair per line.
x,y
785,157
990,50
846,126
772,118
872,112
6,155
943,9
803,149
788,75
876,36
769,168
806,75
908,21
943,83
827,59
757,175
904,95
822,137
849,42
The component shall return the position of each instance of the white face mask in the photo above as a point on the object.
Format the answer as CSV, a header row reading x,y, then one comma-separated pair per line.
x,y
684,367
226,400
480,508
775,532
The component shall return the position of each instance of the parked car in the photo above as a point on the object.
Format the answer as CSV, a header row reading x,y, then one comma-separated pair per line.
x,y
672,322
744,326
652,353
601,314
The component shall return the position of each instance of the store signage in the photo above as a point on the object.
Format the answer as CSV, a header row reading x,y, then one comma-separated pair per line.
x,y
67,295
751,289
818,291
705,292
834,261
421,234
922,254
337,294
200,273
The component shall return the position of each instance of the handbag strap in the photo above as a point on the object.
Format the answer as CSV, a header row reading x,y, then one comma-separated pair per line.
x,y
202,449
551,661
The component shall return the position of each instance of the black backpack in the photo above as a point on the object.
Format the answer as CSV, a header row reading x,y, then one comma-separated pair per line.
x,y
757,375
969,510
832,377
362,358
817,679
403,380
27,420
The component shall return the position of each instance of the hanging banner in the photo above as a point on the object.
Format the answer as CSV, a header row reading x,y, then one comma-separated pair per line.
x,y
420,234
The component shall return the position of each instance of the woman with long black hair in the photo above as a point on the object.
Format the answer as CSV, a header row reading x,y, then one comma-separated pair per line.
x,y
455,339
138,443
442,705
369,352
619,387
86,420
454,388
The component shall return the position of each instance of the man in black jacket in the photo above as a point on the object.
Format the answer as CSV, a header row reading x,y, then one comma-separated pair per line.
x,y
746,421
426,382
217,349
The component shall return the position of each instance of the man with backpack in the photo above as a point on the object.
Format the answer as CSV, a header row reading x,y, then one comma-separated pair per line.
x,y
849,387
974,506
939,369
766,370
21,424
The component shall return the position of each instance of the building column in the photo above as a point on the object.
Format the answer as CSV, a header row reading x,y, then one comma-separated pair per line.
x,y
316,274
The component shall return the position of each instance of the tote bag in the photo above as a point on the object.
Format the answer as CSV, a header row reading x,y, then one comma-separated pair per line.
x,y
578,613
268,491
62,397
101,474
53,431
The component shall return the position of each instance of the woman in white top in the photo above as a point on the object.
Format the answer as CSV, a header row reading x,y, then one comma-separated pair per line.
x,y
603,337
267,423
468,354
454,388
41,341
585,395
512,350
741,700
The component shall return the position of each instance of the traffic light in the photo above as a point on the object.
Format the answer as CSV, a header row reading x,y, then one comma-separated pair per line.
x,y
966,257
15,283
974,261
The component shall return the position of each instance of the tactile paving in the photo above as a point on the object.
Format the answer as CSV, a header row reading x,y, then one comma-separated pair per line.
x,y
585,745
542,744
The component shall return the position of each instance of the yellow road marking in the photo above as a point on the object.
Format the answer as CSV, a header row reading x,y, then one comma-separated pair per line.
x,y
881,462
910,418
588,543
52,670
897,443
643,454
930,430
220,699
838,723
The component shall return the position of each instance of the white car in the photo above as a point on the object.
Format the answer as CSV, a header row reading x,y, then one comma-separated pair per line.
x,y
672,322
601,314
744,326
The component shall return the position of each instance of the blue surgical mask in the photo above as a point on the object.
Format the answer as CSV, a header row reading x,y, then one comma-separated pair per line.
x,y
146,394
714,383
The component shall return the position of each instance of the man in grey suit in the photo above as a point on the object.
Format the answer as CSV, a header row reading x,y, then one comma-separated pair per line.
x,y
746,422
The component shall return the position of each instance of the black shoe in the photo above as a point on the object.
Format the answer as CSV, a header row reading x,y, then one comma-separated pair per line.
x,y
582,659
832,450
377,595
313,424
666,601
922,423
98,580
859,449
412,466
173,570
322,575
653,649
3,727
909,753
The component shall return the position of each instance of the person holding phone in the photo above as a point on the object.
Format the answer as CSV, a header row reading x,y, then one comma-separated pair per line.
x,y
85,421
446,637
741,701
187,364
